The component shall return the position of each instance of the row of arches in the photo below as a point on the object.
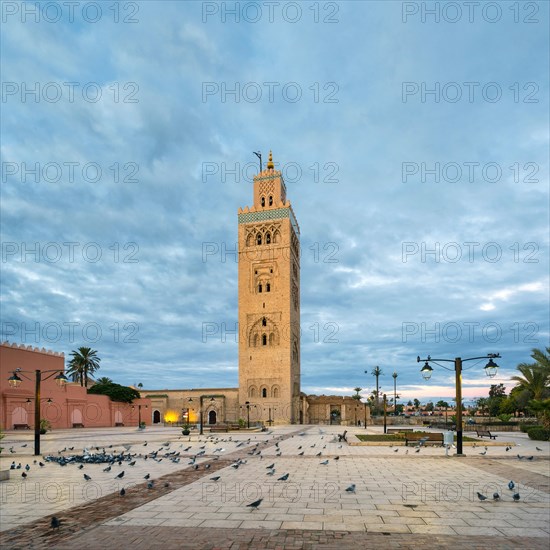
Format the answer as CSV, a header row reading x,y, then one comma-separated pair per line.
x,y
263,235
264,392
263,333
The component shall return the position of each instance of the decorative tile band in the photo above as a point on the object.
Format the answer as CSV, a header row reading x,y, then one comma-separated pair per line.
x,y
264,215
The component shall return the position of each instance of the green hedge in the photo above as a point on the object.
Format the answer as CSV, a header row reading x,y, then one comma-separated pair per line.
x,y
538,433
525,426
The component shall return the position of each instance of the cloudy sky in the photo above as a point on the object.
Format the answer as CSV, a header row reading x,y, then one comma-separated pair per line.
x,y
415,152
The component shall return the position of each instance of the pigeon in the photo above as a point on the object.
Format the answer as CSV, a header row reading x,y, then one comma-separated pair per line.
x,y
108,469
216,478
483,453
336,458
122,492
520,457
41,464
396,451
301,454
24,445
150,484
538,449
318,454
255,504
496,496
511,485
133,463
530,457
507,449
120,476
55,523
24,475
283,477
272,472
516,497
147,476
87,477
481,497
351,488
324,463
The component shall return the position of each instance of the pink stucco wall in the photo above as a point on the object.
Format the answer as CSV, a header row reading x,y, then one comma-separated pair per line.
x,y
70,404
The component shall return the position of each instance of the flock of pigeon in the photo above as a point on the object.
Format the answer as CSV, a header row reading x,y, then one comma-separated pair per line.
x,y
496,497
128,457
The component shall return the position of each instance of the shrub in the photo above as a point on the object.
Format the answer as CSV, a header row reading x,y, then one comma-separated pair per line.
x,y
538,433
524,426
504,417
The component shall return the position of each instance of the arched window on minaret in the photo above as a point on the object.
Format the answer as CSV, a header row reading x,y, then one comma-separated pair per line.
x,y
268,287
264,322
252,391
258,238
270,200
264,340
271,339
264,392
260,287
275,392
268,238
263,202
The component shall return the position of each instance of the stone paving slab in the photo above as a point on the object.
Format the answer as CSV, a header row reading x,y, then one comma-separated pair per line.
x,y
399,501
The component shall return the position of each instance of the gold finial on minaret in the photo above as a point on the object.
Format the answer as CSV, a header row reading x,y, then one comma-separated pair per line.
x,y
270,164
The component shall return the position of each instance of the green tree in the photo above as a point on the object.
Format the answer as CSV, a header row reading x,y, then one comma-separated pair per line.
x,y
535,377
356,396
104,380
429,406
416,403
483,404
83,364
115,391
442,404
497,390
410,403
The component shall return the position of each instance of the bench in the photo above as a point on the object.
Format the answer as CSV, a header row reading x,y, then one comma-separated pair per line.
x,y
219,429
398,430
78,425
432,438
21,427
342,437
485,433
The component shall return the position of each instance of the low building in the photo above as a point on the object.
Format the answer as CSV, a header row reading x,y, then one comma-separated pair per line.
x,y
67,406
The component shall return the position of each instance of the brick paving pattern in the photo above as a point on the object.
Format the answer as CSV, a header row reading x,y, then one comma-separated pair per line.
x,y
401,500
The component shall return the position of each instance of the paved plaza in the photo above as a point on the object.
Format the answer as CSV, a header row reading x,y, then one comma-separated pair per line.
x,y
202,486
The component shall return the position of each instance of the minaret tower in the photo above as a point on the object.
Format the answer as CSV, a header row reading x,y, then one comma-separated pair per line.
x,y
269,303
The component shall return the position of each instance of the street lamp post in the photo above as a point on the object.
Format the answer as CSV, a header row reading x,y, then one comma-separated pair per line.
x,y
490,369
385,402
271,420
201,398
15,381
394,394
247,414
139,413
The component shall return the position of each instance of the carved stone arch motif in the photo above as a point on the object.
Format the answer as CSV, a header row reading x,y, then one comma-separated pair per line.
x,y
264,332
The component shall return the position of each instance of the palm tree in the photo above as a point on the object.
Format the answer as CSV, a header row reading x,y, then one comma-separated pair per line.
x,y
84,362
377,372
356,396
534,378
104,380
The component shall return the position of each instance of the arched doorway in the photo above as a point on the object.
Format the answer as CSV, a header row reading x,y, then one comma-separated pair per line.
x,y
156,417
19,416
212,417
